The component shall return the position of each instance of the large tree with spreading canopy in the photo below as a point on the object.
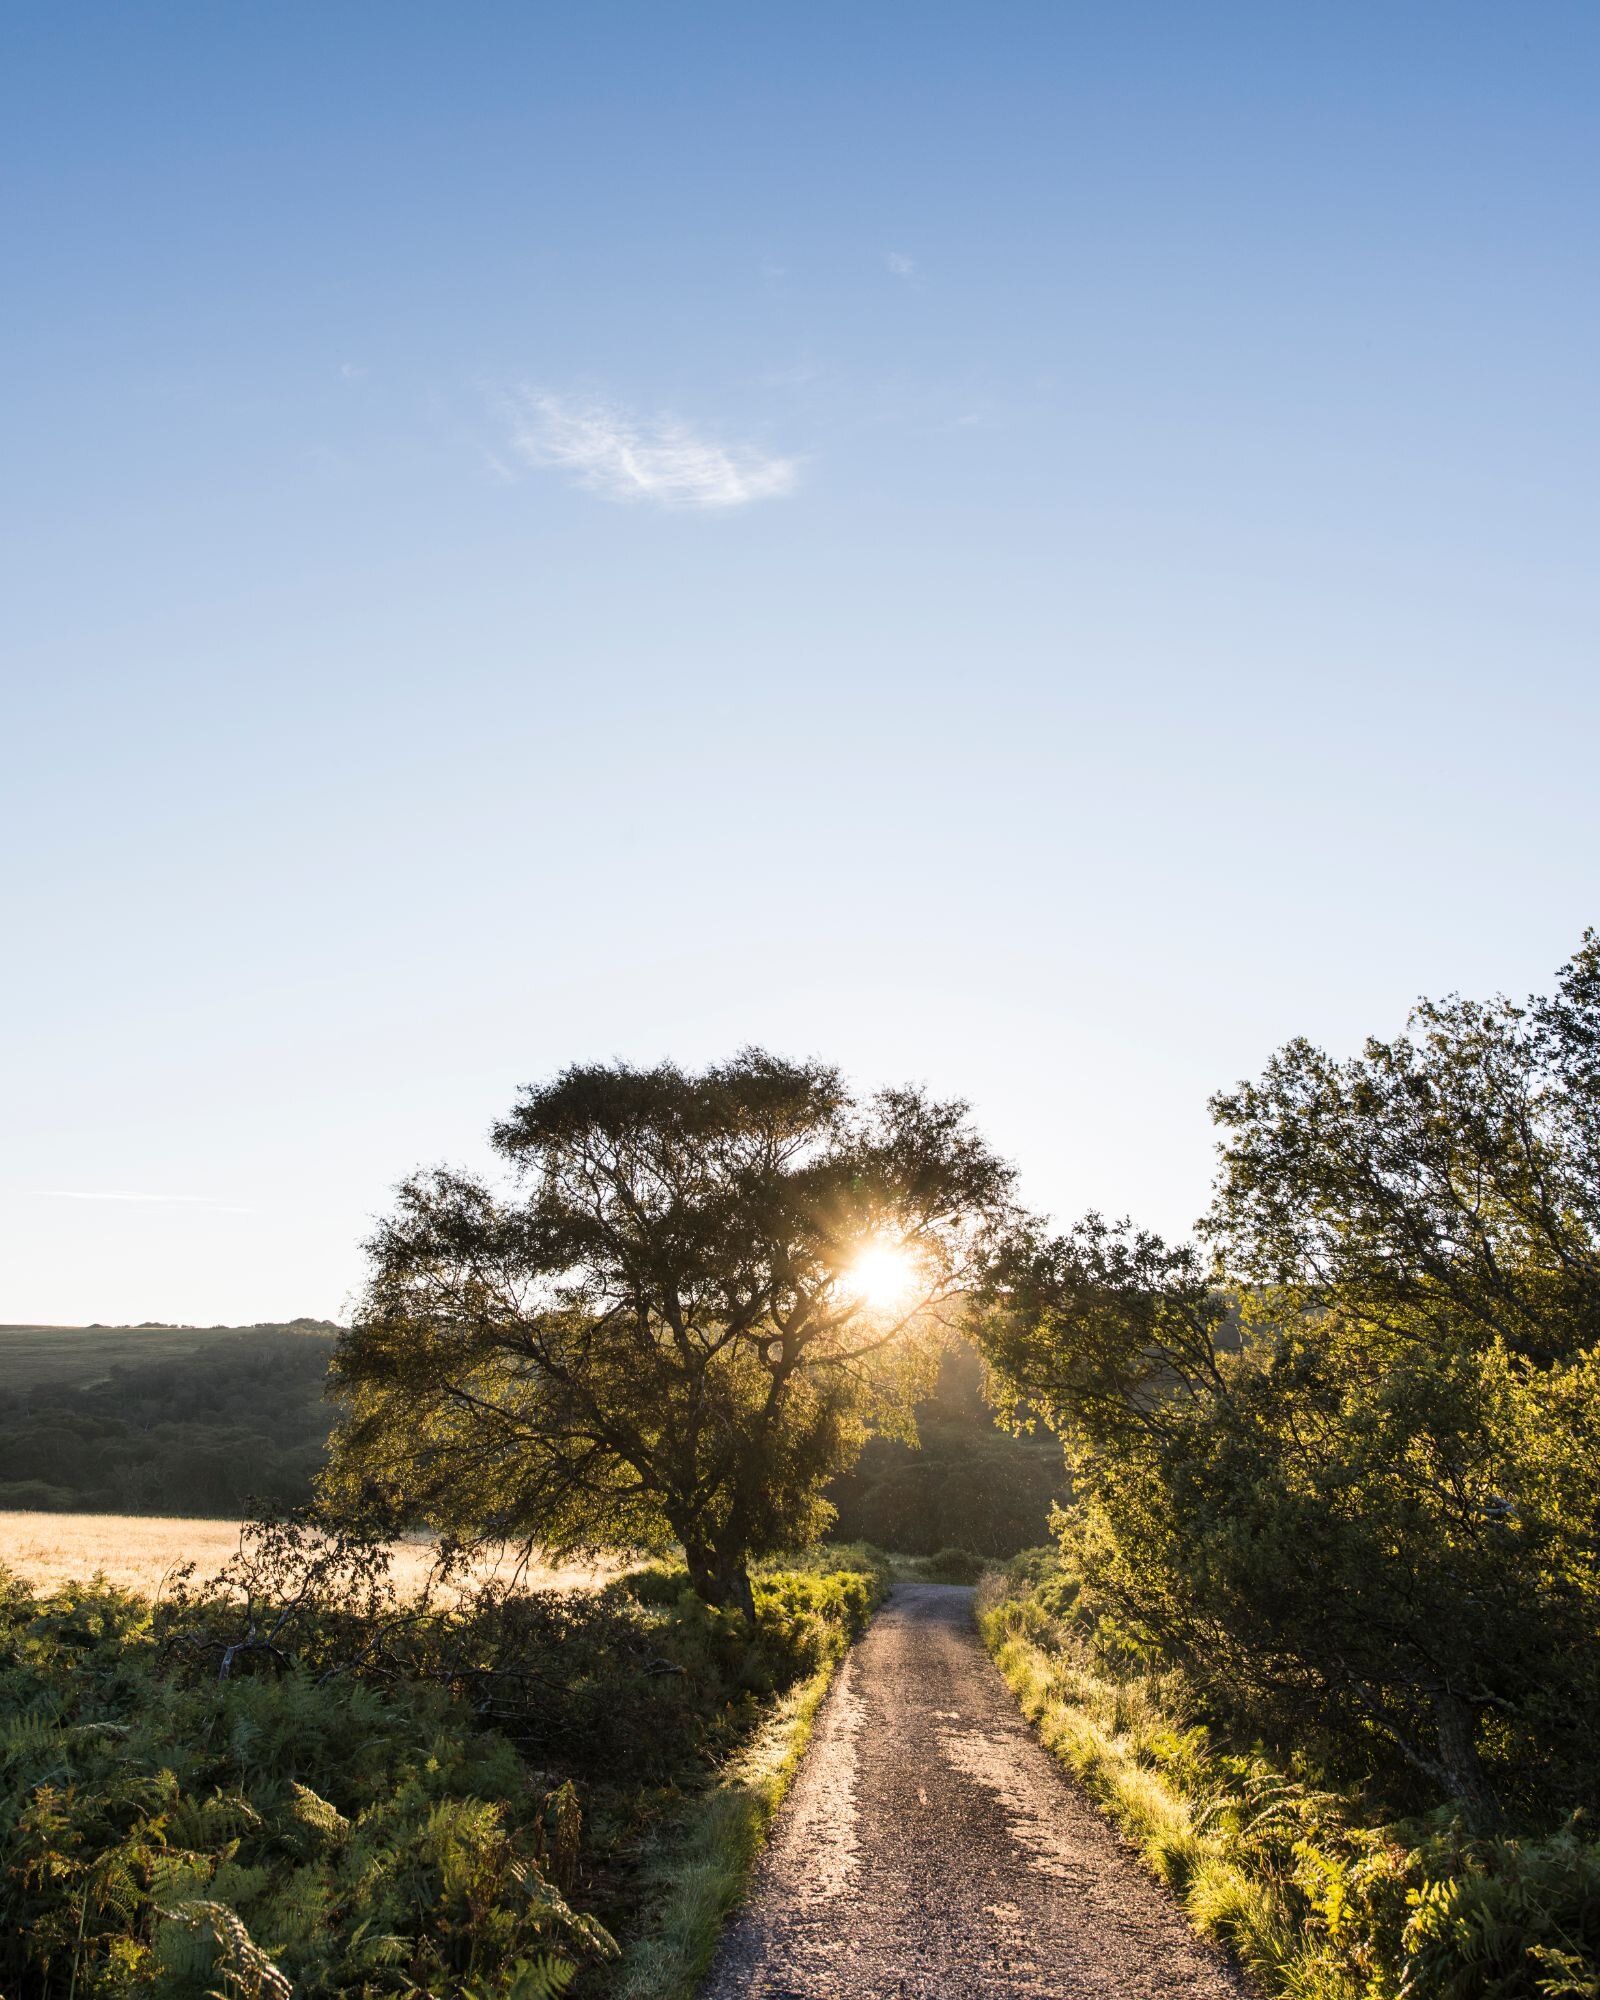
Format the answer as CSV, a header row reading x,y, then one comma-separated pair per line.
x,y
1348,1473
688,1303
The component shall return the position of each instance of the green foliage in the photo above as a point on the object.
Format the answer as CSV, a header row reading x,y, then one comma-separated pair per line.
x,y
807,1609
656,1338
1517,1921
1357,1505
967,1482
169,1835
1446,1184
1277,1864
129,1421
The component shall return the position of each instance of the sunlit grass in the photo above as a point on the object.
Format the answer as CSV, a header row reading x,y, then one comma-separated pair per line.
x,y
1112,1735
140,1551
704,1859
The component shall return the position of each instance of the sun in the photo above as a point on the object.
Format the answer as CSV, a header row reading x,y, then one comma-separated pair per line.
x,y
882,1275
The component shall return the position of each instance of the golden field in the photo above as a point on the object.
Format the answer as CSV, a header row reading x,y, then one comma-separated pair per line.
x,y
140,1551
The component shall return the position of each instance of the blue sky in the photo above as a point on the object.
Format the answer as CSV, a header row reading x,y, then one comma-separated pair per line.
x,y
1042,549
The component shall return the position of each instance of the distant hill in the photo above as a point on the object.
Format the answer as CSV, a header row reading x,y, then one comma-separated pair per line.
x,y
79,1355
162,1419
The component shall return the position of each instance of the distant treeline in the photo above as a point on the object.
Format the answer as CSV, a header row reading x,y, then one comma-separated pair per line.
x,y
970,1486
238,1420
241,1421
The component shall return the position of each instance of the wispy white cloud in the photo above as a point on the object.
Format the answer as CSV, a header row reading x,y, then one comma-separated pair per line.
x,y
352,372
612,453
901,265
165,1200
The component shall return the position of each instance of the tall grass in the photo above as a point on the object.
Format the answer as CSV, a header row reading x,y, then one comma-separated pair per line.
x,y
1125,1744
1284,1873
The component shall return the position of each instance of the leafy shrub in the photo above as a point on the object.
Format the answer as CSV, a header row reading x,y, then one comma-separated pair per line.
x,y
290,1773
1282,1868
658,1584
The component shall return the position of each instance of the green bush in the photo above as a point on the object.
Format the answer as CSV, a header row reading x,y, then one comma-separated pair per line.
x,y
292,1775
159,1833
656,1584
699,1860
1286,1870
951,1566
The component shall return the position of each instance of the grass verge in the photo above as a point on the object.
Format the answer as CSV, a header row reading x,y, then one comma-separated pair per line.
x,y
1311,1902
699,1872
701,1862
1105,1732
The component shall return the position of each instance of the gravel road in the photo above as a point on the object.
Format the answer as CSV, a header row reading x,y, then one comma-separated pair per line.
x,y
931,1850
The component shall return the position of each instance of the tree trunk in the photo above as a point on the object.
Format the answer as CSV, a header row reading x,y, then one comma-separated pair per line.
x,y
1458,1755
721,1579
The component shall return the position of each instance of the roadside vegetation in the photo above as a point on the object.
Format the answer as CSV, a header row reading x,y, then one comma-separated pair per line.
x,y
1324,1625
1306,1881
295,1778
694,1867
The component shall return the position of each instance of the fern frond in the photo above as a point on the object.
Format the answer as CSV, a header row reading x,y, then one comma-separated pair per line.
x,y
247,1972
314,1811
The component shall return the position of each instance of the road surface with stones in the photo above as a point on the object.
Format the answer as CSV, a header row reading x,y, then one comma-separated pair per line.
x,y
931,1850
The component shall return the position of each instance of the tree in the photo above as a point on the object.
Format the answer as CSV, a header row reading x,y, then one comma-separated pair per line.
x,y
1349,1476
1446,1183
696,1297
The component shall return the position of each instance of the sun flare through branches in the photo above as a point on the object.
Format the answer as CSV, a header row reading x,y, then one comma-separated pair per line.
x,y
882,1276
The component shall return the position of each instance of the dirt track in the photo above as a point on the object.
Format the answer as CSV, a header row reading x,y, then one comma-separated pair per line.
x,y
931,1850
